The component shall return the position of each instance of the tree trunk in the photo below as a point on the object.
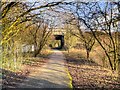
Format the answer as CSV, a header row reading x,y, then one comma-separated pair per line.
x,y
68,51
35,50
119,69
36,53
88,54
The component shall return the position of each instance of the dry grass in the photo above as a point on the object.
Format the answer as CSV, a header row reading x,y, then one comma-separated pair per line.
x,y
45,53
88,74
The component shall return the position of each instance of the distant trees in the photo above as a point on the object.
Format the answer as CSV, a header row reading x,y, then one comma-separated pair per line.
x,y
38,34
83,34
70,40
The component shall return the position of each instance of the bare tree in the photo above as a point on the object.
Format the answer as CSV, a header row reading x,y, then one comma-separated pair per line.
x,y
94,18
14,17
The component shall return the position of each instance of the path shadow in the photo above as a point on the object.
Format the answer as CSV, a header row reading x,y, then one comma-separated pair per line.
x,y
81,61
15,81
9,78
40,83
37,62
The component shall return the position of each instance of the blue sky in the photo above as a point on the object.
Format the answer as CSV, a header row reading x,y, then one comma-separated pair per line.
x,y
57,19
70,0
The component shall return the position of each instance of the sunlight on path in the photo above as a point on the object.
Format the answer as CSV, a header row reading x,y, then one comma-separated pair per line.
x,y
52,75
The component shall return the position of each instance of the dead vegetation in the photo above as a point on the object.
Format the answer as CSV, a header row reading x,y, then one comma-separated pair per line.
x,y
87,74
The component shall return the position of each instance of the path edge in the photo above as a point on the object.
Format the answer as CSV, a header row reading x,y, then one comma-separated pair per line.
x,y
70,83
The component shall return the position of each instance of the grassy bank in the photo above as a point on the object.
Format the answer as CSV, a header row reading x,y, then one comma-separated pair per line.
x,y
87,74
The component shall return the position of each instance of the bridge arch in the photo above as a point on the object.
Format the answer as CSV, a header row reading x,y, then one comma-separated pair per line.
x,y
61,38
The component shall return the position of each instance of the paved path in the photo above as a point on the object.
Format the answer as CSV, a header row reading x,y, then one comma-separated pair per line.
x,y
52,75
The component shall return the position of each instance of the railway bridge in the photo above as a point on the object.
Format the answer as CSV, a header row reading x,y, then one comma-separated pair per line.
x,y
58,35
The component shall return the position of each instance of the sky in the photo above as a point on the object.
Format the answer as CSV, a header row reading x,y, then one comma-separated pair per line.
x,y
58,0
57,19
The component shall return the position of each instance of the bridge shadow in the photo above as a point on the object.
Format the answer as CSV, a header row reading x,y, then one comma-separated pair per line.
x,y
56,48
